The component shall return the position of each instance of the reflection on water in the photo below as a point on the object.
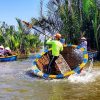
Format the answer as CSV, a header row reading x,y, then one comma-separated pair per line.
x,y
16,84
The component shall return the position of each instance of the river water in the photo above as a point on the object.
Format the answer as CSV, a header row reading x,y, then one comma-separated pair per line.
x,y
17,84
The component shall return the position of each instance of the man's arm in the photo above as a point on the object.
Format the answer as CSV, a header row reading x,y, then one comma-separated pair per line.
x,y
49,41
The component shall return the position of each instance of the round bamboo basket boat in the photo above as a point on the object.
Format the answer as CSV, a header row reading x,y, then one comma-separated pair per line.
x,y
75,60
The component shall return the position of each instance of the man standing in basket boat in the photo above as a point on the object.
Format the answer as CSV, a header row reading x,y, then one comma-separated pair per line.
x,y
57,47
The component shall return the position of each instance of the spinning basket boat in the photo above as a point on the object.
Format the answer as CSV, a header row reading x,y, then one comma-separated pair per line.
x,y
72,62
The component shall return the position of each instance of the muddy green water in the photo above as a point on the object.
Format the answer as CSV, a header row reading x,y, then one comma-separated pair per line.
x,y
16,84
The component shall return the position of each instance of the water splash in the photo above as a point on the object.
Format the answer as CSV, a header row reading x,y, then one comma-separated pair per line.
x,y
87,75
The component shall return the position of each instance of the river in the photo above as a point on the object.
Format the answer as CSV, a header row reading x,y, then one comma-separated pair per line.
x,y
17,84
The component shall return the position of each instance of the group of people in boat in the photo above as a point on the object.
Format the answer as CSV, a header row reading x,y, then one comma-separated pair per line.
x,y
5,51
57,47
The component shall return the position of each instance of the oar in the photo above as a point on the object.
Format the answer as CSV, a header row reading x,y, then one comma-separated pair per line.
x,y
31,26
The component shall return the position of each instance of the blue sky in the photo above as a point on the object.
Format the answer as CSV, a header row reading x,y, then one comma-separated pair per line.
x,y
23,9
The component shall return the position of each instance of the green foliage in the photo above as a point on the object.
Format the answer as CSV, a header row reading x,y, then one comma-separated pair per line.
x,y
71,24
1,39
88,5
19,40
78,16
92,13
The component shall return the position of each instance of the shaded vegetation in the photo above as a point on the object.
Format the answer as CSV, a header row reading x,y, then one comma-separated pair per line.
x,y
74,19
21,41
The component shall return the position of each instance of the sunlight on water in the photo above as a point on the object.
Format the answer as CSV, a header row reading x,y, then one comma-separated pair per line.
x,y
87,75
16,83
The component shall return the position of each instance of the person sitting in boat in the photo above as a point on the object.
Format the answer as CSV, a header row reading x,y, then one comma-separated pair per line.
x,y
83,43
57,46
7,51
1,51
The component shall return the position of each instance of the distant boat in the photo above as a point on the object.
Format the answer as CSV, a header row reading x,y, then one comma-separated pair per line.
x,y
8,58
73,63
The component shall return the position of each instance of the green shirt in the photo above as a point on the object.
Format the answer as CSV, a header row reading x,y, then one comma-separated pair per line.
x,y
56,46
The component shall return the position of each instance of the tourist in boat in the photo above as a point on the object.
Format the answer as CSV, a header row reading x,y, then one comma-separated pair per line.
x,y
1,51
57,47
83,43
7,51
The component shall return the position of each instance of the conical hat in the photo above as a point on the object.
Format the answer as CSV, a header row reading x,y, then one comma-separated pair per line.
x,y
7,48
83,38
1,46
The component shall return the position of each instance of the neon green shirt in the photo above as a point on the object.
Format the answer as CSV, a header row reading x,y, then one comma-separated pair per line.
x,y
56,46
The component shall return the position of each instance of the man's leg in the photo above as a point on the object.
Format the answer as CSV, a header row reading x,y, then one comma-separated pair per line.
x,y
52,64
49,66
53,69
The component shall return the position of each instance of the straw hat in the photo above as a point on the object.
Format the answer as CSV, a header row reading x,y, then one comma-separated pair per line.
x,y
2,46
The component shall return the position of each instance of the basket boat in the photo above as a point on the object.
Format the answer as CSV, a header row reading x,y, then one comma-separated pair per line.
x,y
75,61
